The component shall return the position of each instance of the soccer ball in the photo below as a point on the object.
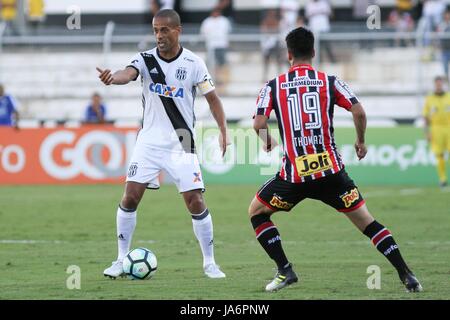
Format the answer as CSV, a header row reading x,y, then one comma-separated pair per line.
x,y
140,263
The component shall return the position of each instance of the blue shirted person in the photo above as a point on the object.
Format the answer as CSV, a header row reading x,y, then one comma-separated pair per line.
x,y
96,111
9,115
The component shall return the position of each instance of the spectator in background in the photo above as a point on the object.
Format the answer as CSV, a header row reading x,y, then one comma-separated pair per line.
x,y
289,20
401,22
444,29
270,44
9,116
289,16
8,13
216,29
226,7
157,5
404,5
96,111
318,13
36,13
432,15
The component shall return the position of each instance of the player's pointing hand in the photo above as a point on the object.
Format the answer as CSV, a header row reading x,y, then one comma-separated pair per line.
x,y
105,76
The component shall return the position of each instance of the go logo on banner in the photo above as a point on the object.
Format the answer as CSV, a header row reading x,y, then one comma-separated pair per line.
x,y
87,155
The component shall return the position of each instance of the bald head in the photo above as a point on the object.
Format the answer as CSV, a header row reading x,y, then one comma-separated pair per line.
x,y
167,30
171,15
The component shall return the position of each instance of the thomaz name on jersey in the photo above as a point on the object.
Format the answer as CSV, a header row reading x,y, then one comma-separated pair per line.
x,y
166,91
302,82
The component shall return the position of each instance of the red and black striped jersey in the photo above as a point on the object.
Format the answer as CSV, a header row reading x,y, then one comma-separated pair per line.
x,y
303,100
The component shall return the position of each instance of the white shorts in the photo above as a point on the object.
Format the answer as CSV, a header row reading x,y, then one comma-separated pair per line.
x,y
147,163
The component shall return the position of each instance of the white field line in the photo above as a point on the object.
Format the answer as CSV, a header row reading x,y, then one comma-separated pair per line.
x,y
28,241
299,242
400,192
6,241
408,192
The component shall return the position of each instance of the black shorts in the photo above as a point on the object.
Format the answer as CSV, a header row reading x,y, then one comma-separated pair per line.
x,y
337,190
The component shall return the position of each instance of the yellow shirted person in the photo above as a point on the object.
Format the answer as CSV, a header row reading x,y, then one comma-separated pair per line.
x,y
36,10
8,10
437,125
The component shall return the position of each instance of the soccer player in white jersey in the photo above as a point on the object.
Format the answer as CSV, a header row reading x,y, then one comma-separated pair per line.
x,y
170,75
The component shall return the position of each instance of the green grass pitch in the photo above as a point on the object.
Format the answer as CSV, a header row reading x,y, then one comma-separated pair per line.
x,y
75,225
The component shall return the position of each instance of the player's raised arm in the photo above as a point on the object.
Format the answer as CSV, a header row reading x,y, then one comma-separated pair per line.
x,y
119,77
360,120
215,105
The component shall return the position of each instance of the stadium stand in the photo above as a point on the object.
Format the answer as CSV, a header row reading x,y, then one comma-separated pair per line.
x,y
55,73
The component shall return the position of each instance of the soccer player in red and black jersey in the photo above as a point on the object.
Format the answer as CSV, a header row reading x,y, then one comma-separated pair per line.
x,y
303,100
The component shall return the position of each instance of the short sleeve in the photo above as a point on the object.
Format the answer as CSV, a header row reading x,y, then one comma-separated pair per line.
x,y
345,98
264,101
137,63
203,79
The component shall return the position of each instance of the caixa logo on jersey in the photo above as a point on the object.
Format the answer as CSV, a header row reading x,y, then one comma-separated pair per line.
x,y
96,155
166,91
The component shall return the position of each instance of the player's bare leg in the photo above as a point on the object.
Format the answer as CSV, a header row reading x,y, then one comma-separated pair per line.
x,y
126,223
203,230
385,243
269,238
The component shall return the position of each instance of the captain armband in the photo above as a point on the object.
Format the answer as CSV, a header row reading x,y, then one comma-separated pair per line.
x,y
206,86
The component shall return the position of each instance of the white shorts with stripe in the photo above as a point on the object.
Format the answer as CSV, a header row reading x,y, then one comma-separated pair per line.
x,y
147,163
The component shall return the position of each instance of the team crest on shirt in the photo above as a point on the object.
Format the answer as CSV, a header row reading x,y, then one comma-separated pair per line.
x,y
181,73
132,170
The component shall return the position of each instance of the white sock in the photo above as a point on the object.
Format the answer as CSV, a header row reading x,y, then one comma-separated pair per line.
x,y
203,230
126,222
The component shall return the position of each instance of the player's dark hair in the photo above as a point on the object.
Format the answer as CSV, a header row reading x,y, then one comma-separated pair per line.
x,y
300,42
173,16
439,78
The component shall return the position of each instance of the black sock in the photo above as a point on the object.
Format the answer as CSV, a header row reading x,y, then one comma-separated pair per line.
x,y
269,238
385,243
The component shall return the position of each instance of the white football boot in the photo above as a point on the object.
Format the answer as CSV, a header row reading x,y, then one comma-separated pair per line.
x,y
116,270
212,270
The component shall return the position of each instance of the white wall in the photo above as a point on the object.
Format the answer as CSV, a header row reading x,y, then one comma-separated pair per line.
x,y
136,6
97,6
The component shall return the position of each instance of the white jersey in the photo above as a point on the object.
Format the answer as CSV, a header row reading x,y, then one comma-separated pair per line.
x,y
168,94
